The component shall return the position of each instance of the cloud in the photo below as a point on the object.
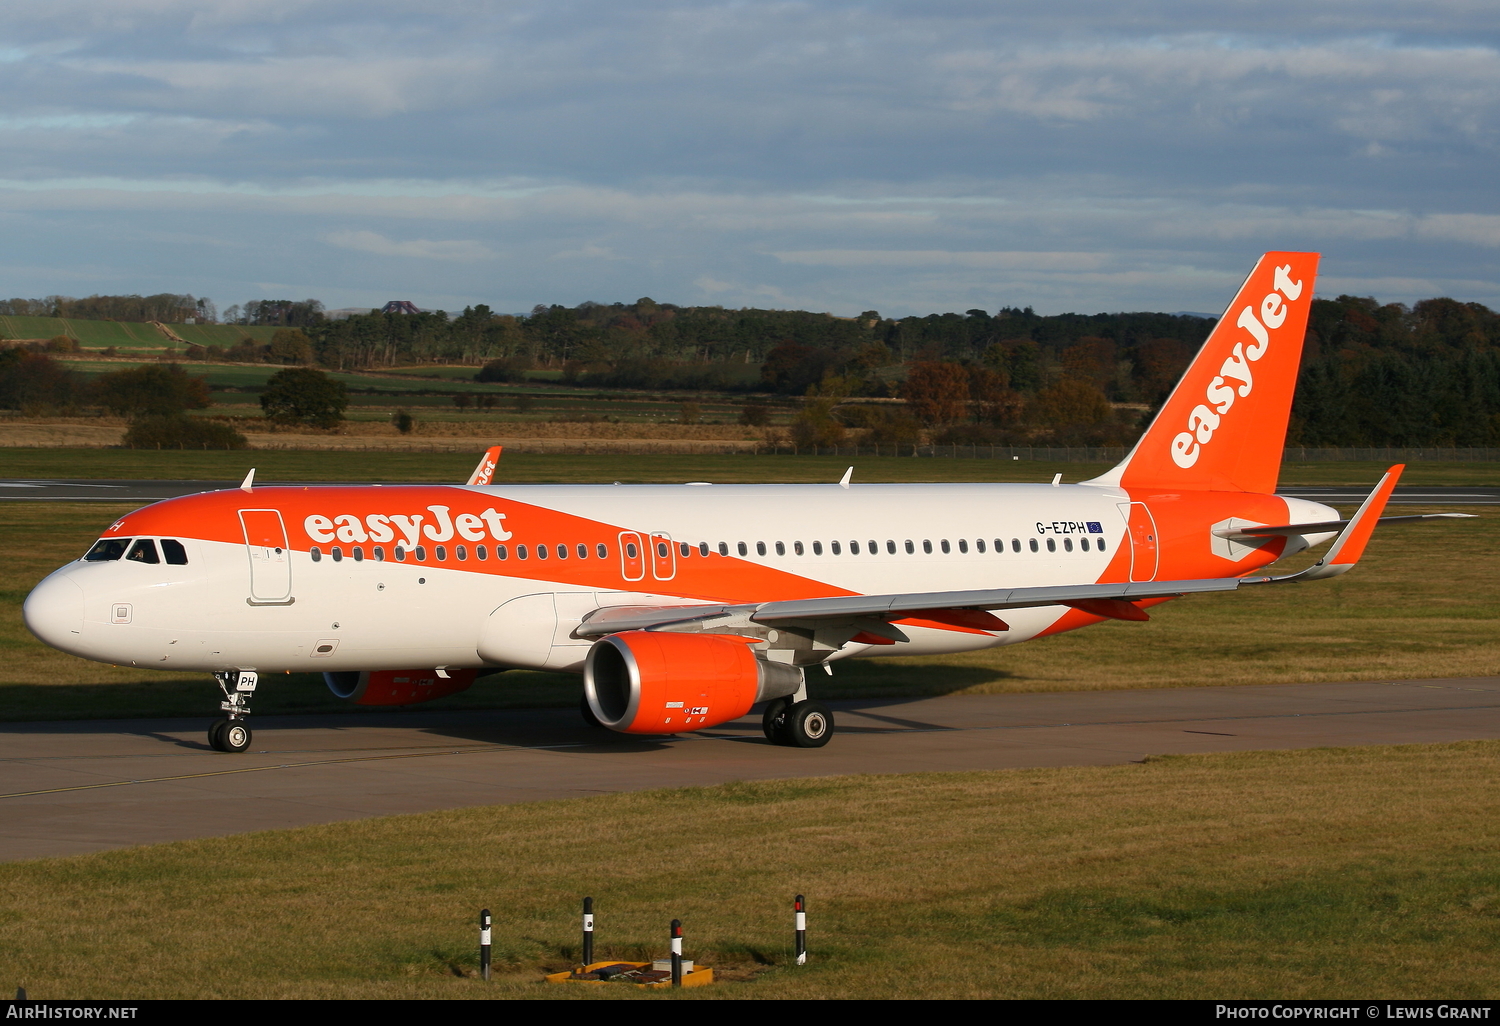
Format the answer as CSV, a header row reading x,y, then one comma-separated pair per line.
x,y
1067,154
944,258
422,249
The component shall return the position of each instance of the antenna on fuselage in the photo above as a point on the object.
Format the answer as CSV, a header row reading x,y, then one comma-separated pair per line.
x,y
248,484
844,481
1056,480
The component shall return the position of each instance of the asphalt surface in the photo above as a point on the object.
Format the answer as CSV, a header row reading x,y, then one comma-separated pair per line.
x,y
37,490
81,786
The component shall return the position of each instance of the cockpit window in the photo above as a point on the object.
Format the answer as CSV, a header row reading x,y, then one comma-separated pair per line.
x,y
175,554
143,551
107,549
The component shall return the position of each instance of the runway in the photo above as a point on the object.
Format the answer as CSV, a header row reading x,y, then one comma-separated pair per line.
x,y
81,786
39,490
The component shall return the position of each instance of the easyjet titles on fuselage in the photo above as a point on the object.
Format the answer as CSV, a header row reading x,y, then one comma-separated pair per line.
x,y
380,527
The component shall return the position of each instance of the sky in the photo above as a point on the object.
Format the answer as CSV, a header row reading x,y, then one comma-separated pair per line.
x,y
905,157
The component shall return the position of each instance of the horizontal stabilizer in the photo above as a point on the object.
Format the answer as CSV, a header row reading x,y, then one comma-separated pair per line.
x,y
1249,533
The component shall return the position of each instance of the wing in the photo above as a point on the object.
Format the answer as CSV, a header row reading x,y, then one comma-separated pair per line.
x,y
873,614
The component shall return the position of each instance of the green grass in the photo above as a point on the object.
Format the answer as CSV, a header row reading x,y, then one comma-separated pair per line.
x,y
128,335
1287,875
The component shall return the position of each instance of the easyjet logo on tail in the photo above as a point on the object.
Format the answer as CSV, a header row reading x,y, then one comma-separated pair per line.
x,y
1205,418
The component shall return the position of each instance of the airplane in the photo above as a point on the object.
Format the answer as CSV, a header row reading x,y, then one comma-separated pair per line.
x,y
685,606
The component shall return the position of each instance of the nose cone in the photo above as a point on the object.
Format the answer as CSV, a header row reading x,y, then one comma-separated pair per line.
x,y
54,612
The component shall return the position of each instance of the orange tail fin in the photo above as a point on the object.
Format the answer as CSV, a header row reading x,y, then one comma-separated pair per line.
x,y
1224,426
485,473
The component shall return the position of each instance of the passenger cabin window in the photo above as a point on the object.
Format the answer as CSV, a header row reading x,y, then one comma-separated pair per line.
x,y
890,546
541,551
317,554
1015,545
703,548
422,553
482,552
461,551
910,547
1034,546
963,545
583,551
874,549
337,554
1067,544
854,548
1083,543
143,551
927,546
380,553
1051,545
1100,542
817,548
601,550
946,548
780,548
979,544
760,548
834,546
107,550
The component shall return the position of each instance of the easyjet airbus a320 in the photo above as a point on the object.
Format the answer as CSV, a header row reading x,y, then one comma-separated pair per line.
x,y
683,606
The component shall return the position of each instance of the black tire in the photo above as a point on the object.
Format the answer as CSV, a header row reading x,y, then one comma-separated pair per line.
x,y
773,720
234,736
588,713
216,734
807,725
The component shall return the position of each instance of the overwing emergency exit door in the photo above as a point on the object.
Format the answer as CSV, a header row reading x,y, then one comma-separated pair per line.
x,y
270,562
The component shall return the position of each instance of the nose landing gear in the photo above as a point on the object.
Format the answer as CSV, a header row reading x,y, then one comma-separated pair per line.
x,y
233,734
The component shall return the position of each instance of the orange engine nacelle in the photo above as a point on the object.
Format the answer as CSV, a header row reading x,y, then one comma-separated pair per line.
x,y
653,682
397,687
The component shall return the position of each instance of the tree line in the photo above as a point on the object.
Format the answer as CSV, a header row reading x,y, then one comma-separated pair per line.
x,y
1372,374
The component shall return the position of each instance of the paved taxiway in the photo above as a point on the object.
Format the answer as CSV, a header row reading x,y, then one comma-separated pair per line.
x,y
71,787
39,490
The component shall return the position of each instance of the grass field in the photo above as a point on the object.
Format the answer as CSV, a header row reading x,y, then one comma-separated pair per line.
x,y
126,335
1331,873
1423,603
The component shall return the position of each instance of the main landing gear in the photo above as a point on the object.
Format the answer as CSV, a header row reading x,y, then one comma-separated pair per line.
x,y
232,734
804,724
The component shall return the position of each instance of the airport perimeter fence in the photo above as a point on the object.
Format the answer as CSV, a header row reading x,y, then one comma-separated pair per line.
x,y
1115,453
1031,453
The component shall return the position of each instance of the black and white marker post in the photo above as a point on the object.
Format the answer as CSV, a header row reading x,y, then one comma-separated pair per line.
x,y
801,930
588,931
484,943
677,952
